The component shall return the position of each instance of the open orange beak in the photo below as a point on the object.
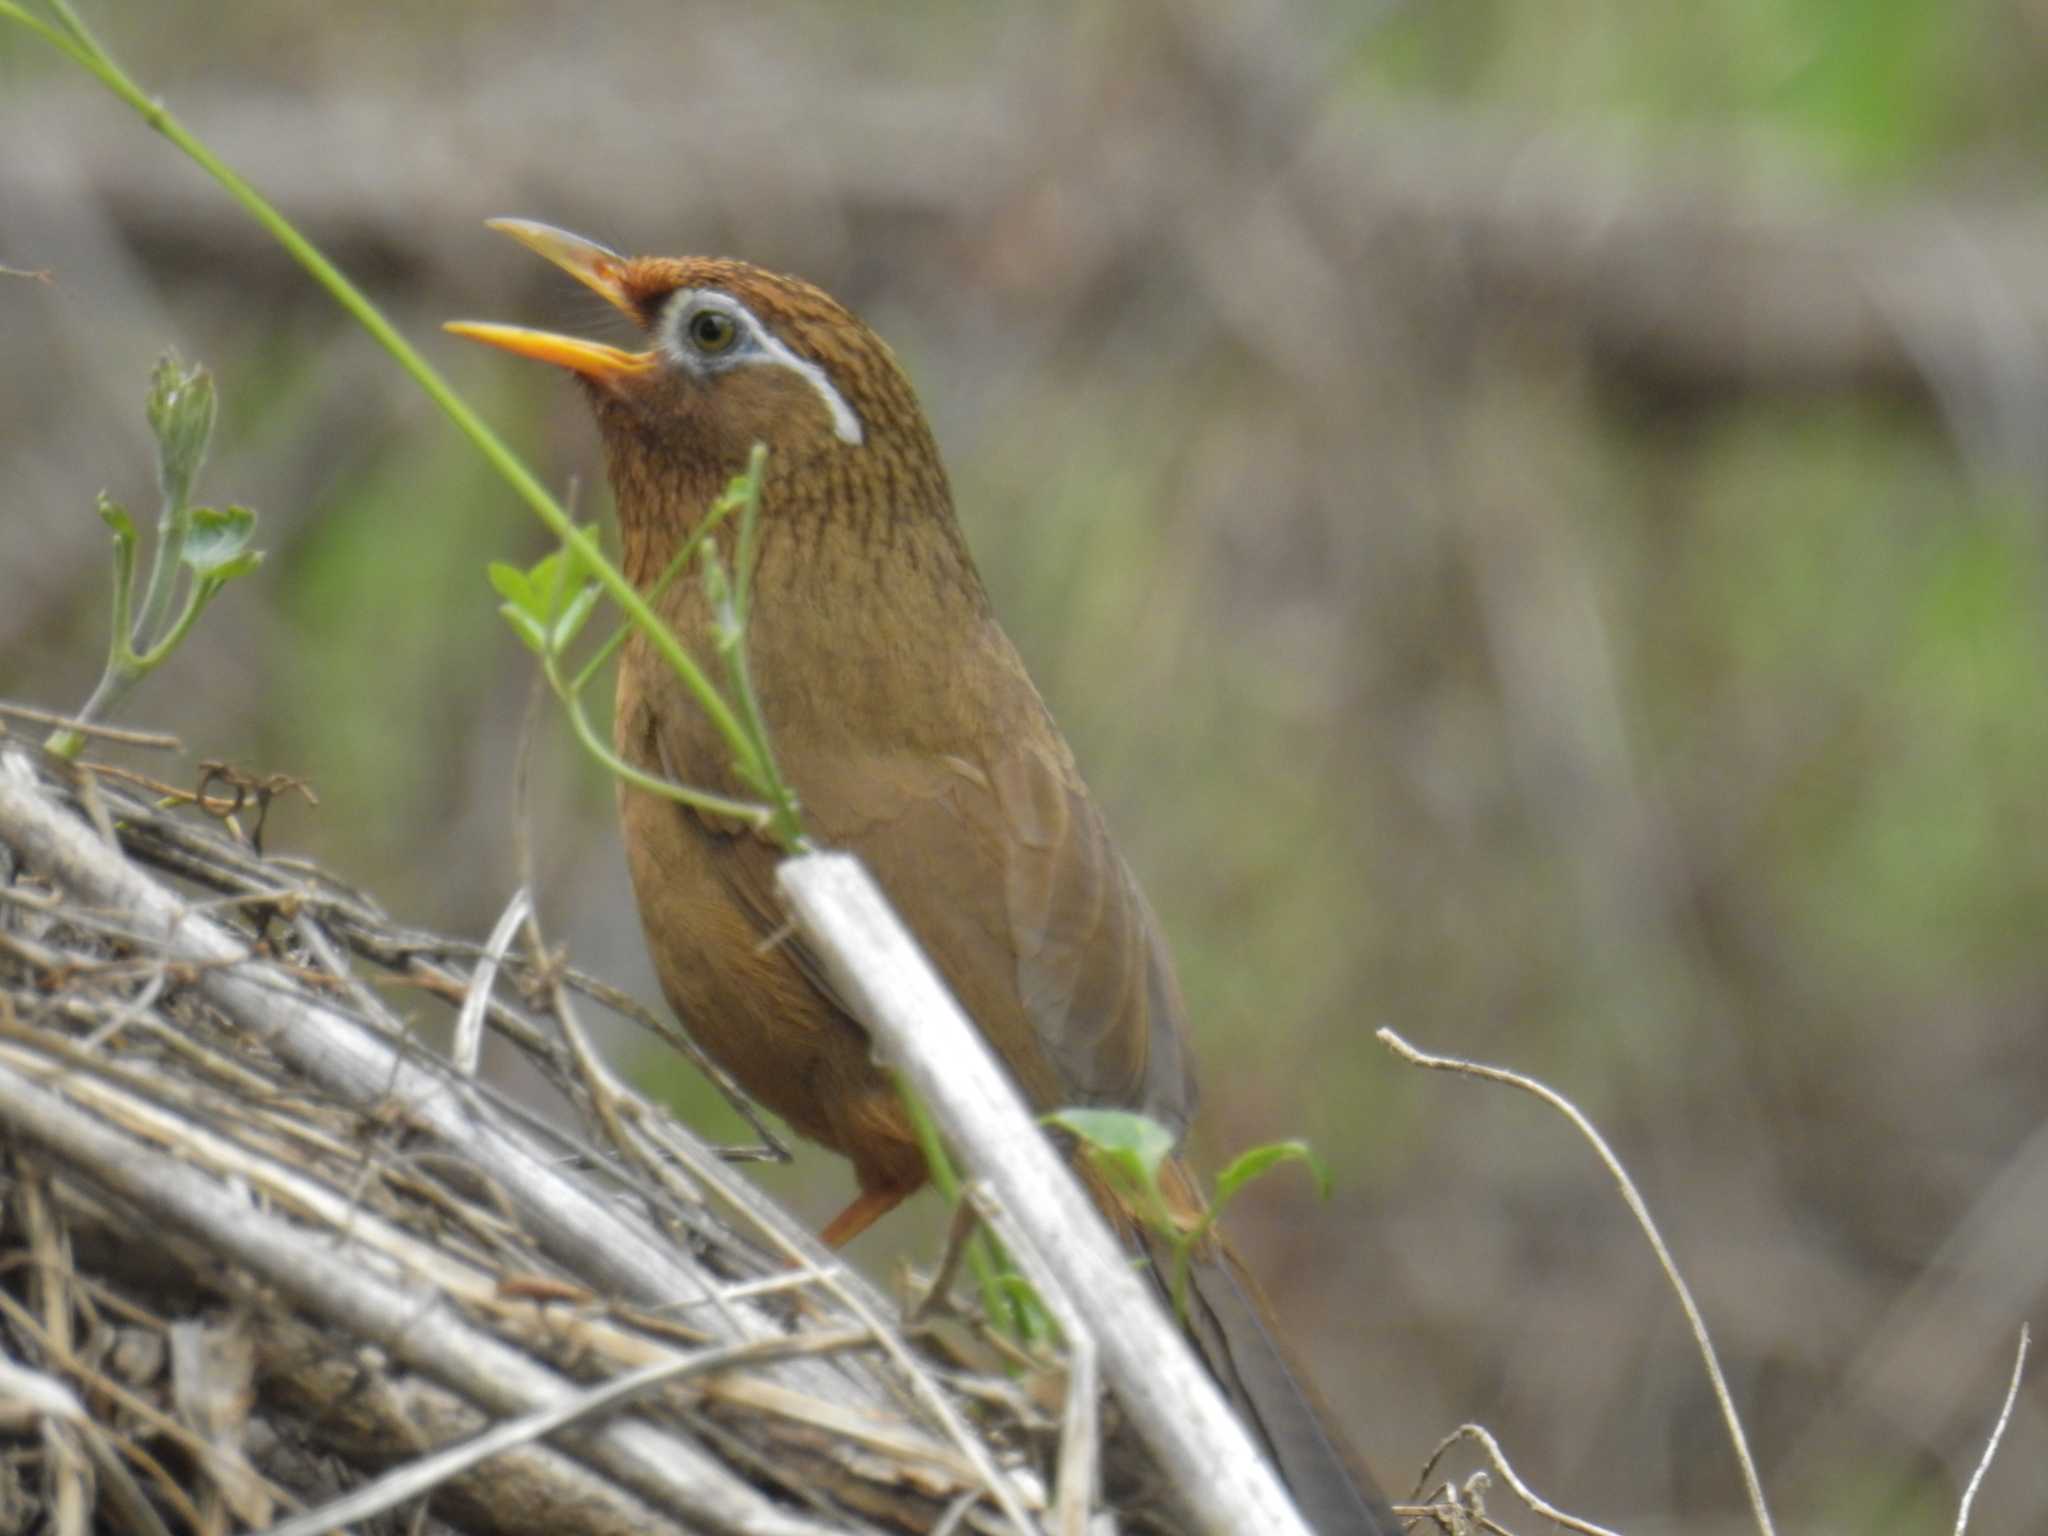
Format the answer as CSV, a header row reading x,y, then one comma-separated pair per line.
x,y
599,270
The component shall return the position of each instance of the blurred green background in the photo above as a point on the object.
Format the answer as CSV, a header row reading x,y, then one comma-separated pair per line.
x,y
1531,516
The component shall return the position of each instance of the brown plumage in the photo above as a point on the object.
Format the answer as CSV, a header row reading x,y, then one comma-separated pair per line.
x,y
904,718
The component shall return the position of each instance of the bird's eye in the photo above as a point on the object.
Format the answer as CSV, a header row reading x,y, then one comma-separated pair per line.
x,y
712,331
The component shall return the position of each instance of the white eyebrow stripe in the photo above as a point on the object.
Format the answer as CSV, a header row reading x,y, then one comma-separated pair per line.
x,y
844,423
773,350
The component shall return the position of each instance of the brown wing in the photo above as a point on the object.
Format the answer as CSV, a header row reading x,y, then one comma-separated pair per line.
x,y
1090,964
1006,874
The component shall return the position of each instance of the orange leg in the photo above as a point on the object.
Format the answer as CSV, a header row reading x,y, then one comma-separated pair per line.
x,y
868,1207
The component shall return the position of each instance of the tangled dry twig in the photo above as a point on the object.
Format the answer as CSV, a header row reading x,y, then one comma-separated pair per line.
x,y
221,1132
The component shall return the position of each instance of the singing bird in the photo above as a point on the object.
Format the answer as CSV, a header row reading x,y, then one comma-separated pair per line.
x,y
903,717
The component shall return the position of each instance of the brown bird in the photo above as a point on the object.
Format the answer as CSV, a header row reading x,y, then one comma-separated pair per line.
x,y
903,717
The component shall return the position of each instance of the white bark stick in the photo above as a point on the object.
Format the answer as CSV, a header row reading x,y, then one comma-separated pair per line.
x,y
920,1031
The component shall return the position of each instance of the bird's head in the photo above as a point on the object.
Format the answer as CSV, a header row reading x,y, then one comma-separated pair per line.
x,y
736,355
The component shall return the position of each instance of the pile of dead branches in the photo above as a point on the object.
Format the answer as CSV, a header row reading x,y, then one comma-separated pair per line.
x,y
263,1249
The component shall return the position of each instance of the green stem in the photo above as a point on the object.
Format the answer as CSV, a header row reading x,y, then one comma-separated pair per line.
x,y
996,1300
75,25
720,509
78,44
120,673
785,822
788,828
112,687
747,811
747,547
202,593
163,579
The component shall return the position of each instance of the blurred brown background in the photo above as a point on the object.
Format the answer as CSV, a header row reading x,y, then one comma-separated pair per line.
x,y
1530,515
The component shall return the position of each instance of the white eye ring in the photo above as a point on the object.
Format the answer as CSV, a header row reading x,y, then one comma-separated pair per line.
x,y
750,342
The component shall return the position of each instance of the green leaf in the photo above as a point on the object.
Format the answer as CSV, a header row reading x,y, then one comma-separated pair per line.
x,y
181,412
727,632
511,584
556,578
570,624
1130,1147
717,585
1259,1161
545,580
557,587
744,486
550,601
525,626
228,570
116,517
1123,1132
217,538
580,571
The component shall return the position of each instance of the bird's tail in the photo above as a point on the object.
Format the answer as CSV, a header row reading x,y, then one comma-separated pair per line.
x,y
1233,1330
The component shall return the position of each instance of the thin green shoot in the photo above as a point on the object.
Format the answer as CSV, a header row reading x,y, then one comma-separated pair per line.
x,y
1006,1298
198,549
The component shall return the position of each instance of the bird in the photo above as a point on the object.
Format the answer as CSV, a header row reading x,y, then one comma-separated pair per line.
x,y
903,717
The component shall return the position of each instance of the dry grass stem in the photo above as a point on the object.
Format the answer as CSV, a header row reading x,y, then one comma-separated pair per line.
x,y
156,740
467,1048
2012,1393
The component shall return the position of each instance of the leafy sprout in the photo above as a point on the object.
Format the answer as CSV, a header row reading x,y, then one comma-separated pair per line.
x,y
199,550
1130,1149
550,603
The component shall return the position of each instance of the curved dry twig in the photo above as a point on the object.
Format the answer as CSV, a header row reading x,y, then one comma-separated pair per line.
x,y
2012,1392
1501,1464
1641,1210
